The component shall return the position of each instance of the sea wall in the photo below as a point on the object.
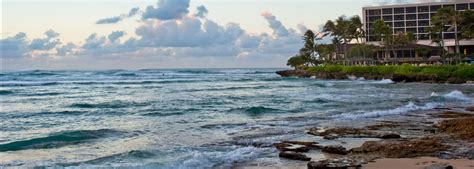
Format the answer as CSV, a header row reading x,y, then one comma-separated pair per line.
x,y
369,76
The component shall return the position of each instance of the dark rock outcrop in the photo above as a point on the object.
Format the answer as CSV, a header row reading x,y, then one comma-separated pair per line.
x,y
335,149
338,163
294,156
294,73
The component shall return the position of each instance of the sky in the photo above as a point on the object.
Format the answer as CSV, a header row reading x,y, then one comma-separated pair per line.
x,y
146,34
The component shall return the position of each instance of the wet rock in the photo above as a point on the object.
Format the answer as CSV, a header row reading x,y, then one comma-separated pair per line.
x,y
294,73
338,163
291,147
334,133
461,127
452,114
294,156
401,148
440,166
390,136
335,149
455,80
470,109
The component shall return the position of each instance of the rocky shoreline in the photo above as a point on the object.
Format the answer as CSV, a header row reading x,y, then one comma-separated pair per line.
x,y
447,133
393,77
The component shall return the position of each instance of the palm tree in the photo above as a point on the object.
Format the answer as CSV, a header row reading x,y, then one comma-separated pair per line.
x,y
449,17
310,50
357,28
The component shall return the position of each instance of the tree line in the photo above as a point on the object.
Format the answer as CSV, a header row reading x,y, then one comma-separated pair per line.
x,y
345,31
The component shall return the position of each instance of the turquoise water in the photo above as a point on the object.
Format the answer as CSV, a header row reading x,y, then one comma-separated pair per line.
x,y
185,118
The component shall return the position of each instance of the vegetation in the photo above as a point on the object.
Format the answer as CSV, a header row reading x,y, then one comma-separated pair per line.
x,y
456,21
361,51
344,31
444,71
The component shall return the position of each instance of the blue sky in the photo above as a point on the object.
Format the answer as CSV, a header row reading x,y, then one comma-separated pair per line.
x,y
136,34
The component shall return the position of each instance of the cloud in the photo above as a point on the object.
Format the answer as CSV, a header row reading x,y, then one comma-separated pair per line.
x,y
111,20
48,43
187,32
114,36
201,11
117,19
133,12
15,46
167,10
65,50
94,42
275,25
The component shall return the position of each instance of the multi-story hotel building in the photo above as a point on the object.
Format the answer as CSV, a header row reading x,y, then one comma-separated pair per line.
x,y
415,18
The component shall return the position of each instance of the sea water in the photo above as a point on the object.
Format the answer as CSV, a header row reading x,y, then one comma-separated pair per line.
x,y
186,118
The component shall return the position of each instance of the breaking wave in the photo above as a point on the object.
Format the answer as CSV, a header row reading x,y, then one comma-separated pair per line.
x,y
399,110
58,140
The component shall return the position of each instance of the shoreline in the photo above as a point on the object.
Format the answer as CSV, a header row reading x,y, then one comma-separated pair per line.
x,y
438,139
399,78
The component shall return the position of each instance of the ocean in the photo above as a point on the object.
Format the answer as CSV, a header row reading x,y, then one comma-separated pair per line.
x,y
187,118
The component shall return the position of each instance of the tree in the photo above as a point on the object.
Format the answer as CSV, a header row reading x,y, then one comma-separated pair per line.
x,y
361,51
467,24
451,17
296,61
344,30
309,54
357,28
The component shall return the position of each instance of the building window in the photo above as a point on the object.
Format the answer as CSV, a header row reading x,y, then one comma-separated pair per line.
x,y
422,30
374,18
388,18
399,17
423,23
423,36
399,10
423,9
471,6
449,36
423,16
390,24
461,7
374,12
411,17
411,10
449,6
412,30
435,8
387,11
399,24
399,30
411,23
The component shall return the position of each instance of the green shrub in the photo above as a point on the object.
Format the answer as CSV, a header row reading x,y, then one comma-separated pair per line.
x,y
443,72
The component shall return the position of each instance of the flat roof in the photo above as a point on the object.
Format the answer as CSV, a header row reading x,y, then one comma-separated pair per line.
x,y
418,4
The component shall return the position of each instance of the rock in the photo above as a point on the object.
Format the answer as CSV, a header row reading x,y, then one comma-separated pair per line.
x,y
335,149
440,166
460,127
455,80
470,109
338,163
390,136
401,148
294,73
291,147
294,156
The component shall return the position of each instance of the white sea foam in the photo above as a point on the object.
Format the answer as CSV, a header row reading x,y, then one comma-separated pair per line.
x,y
434,94
384,81
399,110
458,95
208,159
